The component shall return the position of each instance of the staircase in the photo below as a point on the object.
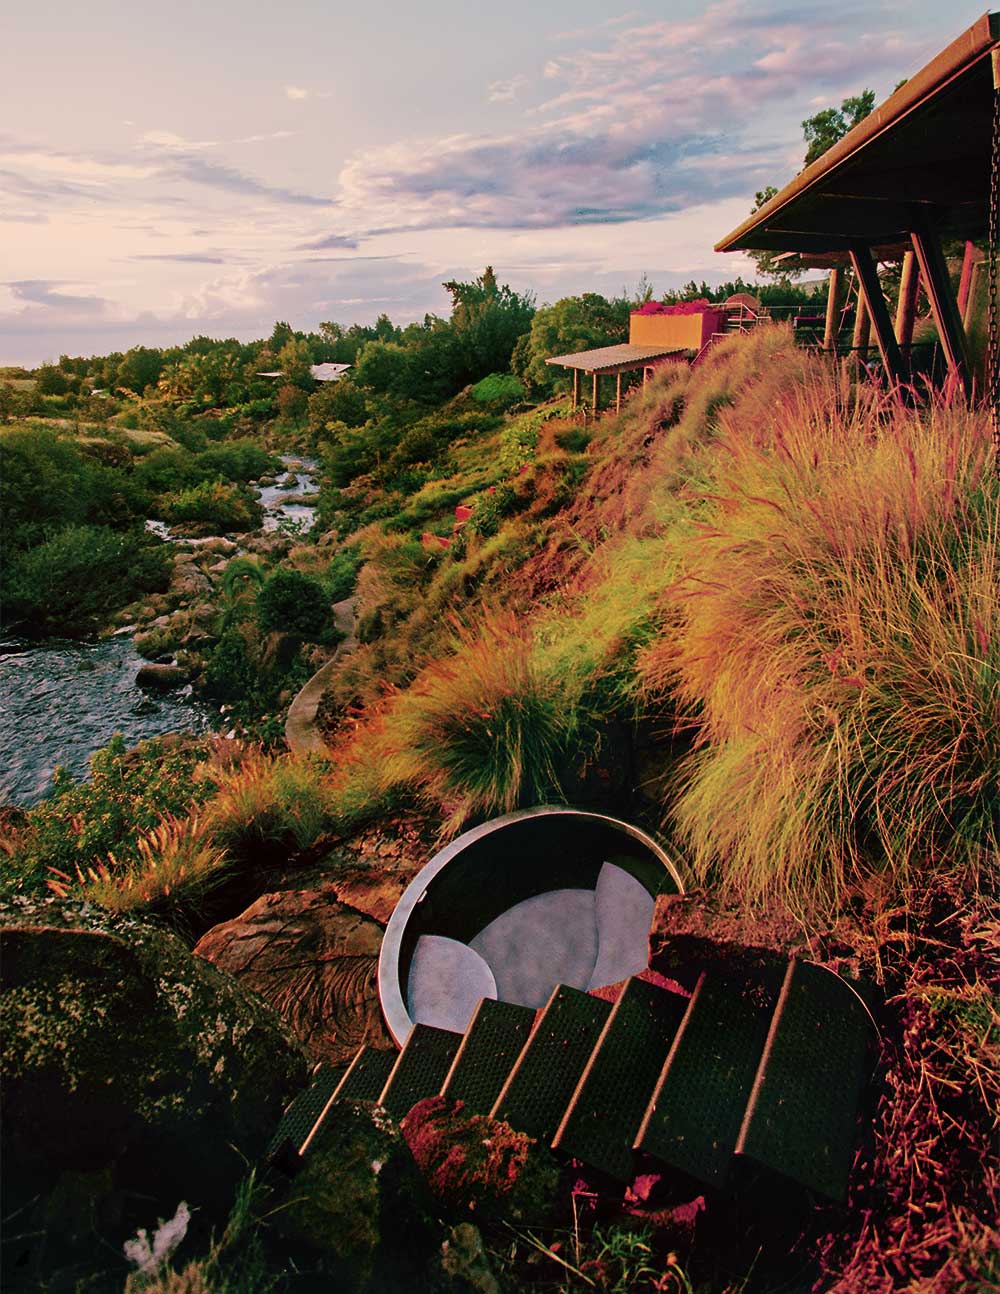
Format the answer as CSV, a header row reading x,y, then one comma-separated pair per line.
x,y
767,1066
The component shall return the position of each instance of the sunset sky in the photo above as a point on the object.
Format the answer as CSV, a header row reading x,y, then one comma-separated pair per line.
x,y
178,169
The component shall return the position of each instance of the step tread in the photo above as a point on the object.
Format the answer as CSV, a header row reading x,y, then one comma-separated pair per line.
x,y
802,1116
486,1055
420,1068
697,1108
606,1109
538,1089
366,1075
300,1117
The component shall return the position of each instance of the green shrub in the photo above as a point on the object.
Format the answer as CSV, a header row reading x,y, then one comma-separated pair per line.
x,y
78,577
291,602
498,388
342,572
214,505
82,822
238,460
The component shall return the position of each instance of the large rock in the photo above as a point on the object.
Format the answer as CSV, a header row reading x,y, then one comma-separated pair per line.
x,y
162,677
134,1075
314,961
359,1203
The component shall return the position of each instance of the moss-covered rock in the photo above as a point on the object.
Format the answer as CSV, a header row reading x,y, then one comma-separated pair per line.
x,y
360,1203
129,1064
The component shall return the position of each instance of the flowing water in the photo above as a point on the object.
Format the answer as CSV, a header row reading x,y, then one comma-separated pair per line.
x,y
61,700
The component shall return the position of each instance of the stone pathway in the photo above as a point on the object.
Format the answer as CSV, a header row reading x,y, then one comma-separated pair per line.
x,y
301,730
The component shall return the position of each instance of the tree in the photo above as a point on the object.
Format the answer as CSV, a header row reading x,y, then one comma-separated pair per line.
x,y
824,128
572,324
821,131
295,361
487,319
140,367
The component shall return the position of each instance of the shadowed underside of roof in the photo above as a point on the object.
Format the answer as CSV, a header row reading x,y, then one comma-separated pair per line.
x,y
920,160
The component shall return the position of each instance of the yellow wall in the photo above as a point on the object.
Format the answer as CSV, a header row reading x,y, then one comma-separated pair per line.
x,y
682,331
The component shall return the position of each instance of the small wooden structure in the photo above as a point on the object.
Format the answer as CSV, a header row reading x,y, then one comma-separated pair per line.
x,y
915,171
656,334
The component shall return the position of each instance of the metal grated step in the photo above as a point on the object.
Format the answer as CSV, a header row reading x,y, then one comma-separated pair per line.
x,y
614,1089
697,1109
492,1043
801,1116
300,1116
538,1089
420,1068
366,1075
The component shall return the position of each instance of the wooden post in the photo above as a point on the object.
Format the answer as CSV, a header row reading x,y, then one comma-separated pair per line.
x,y
832,295
930,258
576,389
594,401
964,283
877,312
862,327
906,307
618,394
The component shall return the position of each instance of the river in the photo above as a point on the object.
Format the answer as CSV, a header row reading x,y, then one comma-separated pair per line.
x,y
60,700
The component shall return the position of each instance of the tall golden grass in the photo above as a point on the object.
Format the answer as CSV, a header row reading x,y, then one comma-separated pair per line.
x,y
836,642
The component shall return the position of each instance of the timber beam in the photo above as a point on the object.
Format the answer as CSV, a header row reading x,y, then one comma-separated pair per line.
x,y
874,299
944,307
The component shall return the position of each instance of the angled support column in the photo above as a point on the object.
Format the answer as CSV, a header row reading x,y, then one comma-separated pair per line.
x,y
832,303
878,312
930,258
862,328
906,309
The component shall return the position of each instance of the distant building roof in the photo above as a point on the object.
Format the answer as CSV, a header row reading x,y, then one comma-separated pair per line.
x,y
611,359
318,372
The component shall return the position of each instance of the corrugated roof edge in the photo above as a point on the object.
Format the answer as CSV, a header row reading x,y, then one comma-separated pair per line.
x,y
972,44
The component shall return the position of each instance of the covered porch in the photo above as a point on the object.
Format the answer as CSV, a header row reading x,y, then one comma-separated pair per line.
x,y
612,361
915,172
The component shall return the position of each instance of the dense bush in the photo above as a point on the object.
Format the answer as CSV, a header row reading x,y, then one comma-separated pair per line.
x,y
80,823
342,573
46,481
215,506
498,388
71,582
294,603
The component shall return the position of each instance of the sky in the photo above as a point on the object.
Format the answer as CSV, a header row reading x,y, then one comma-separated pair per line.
x,y
207,168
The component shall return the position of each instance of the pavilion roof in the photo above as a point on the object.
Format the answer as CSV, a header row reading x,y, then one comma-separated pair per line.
x,y
614,359
921,159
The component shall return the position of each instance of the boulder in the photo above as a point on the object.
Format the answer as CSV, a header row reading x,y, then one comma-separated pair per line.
x,y
465,1262
134,1075
162,676
360,1204
314,961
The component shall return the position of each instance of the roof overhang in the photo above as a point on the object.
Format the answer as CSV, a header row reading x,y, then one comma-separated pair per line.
x,y
614,359
921,160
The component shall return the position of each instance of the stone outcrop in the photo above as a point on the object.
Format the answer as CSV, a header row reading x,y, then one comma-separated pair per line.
x,y
314,961
162,677
133,1074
